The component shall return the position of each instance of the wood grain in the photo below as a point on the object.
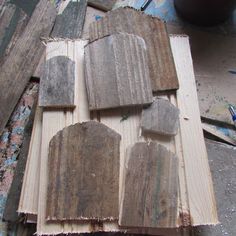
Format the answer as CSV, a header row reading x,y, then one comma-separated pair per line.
x,y
22,61
85,184
104,5
161,117
57,83
112,80
150,191
153,31
70,20
202,207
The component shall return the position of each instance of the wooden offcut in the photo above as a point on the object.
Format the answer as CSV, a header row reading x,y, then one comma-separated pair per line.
x,y
104,5
57,83
153,31
151,187
117,72
70,20
161,117
22,60
84,173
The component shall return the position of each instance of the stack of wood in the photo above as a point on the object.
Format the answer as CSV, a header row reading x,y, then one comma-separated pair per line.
x,y
117,143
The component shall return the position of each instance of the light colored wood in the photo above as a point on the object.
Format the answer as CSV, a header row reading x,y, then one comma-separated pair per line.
x,y
202,205
57,83
55,120
29,194
112,80
150,188
213,131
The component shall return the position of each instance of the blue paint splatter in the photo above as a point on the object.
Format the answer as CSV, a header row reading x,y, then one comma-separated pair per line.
x,y
97,17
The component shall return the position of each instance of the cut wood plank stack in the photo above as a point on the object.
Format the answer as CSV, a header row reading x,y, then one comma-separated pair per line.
x,y
132,169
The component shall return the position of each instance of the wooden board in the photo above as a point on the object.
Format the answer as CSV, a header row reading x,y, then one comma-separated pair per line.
x,y
202,207
13,198
70,20
77,188
112,80
150,191
161,117
29,193
21,62
57,83
13,21
104,5
153,31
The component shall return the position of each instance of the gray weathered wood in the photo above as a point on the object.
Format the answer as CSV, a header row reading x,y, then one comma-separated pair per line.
x,y
104,5
160,60
22,61
117,72
151,187
57,83
69,23
161,118
13,198
84,173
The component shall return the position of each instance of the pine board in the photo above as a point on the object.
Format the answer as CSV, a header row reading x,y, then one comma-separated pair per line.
x,y
112,80
29,193
57,83
70,19
151,187
153,31
77,188
22,60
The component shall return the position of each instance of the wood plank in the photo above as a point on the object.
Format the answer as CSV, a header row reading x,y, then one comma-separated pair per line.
x,y
150,191
112,80
91,194
21,63
104,5
161,117
160,61
57,83
70,20
10,211
198,176
13,21
29,193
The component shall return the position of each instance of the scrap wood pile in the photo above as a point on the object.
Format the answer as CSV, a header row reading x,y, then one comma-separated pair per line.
x,y
117,143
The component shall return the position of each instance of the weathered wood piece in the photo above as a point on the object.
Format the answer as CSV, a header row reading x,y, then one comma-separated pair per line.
x,y
112,80
57,84
70,20
153,31
13,21
161,117
104,5
151,187
13,198
85,184
22,60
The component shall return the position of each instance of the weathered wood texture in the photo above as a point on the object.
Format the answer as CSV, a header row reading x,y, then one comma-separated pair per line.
x,y
104,5
70,20
13,21
13,198
29,193
153,31
84,173
161,117
22,60
112,80
57,83
202,207
151,187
